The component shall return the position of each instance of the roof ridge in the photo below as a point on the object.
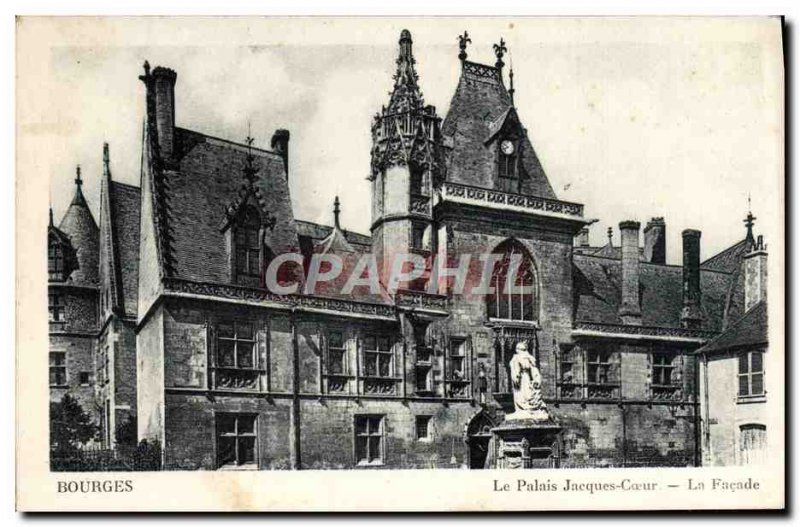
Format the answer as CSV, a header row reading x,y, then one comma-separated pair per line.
x,y
230,142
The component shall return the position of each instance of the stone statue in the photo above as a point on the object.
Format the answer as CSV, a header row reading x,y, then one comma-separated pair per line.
x,y
527,385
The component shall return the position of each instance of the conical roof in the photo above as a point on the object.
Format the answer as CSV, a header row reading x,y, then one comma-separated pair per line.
x,y
78,223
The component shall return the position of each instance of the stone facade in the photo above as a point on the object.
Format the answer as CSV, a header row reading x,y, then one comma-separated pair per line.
x,y
227,374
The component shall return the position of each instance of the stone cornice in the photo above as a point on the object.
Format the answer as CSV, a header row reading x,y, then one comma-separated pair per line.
x,y
622,331
262,297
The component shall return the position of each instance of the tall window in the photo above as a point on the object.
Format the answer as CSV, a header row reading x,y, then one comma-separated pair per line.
x,y
369,439
246,239
55,261
58,368
336,353
55,306
236,440
752,443
235,345
514,297
458,357
751,373
422,425
418,236
377,356
415,180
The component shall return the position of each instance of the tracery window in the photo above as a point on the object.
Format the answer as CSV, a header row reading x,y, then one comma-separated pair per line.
x,y
514,297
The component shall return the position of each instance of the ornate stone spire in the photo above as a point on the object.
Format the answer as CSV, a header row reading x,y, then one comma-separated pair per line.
x,y
511,84
406,94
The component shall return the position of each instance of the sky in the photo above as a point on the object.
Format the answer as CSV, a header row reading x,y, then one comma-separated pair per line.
x,y
634,119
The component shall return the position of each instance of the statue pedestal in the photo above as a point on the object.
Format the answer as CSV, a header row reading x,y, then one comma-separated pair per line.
x,y
526,443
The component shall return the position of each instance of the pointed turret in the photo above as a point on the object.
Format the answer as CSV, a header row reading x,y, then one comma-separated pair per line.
x,y
407,162
78,223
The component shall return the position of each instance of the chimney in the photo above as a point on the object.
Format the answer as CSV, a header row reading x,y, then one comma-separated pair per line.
x,y
655,241
161,106
691,316
280,144
630,309
755,274
582,239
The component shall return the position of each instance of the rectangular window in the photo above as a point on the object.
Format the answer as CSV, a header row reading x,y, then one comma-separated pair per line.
x,y
55,262
337,353
601,381
236,345
55,306
58,368
663,369
569,385
422,424
598,367
418,236
84,378
751,373
236,440
369,439
377,356
458,358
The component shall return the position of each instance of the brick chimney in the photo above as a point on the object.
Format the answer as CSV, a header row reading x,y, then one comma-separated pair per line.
x,y
755,274
691,315
280,144
160,85
630,310
582,239
655,241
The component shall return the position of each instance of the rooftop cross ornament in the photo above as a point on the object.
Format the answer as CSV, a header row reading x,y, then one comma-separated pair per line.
x,y
463,40
749,221
499,51
250,170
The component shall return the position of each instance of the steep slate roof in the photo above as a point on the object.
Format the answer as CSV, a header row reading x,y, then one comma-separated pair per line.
x,y
749,331
727,260
78,223
480,107
125,215
597,293
318,232
197,195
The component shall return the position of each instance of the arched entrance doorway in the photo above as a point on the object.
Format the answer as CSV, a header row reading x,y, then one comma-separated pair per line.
x,y
479,435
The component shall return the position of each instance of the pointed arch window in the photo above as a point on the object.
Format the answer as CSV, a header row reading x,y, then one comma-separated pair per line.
x,y
514,283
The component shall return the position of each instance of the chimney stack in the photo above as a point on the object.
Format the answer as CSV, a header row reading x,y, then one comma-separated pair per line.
x,y
755,274
160,85
280,144
582,239
630,310
691,316
655,241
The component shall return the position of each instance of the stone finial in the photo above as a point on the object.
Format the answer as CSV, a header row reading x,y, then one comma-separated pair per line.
x,y
336,211
463,40
610,237
78,180
749,221
500,50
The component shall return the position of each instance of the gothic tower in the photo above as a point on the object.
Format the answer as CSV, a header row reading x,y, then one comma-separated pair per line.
x,y
406,164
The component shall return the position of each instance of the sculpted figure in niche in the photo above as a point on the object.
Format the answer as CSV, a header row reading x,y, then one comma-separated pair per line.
x,y
527,384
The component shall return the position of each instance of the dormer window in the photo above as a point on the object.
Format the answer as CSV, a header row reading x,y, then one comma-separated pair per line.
x,y
247,247
55,261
